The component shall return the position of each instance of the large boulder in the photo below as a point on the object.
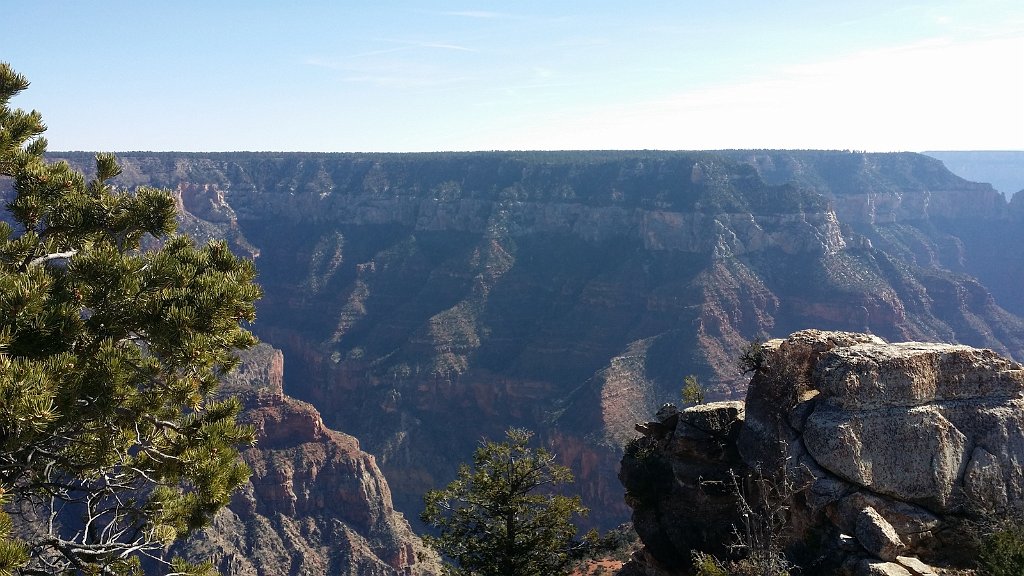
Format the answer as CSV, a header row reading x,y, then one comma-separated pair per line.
x,y
882,449
937,425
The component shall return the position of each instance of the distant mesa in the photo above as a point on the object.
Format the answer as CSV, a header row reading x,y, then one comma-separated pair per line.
x,y
1004,170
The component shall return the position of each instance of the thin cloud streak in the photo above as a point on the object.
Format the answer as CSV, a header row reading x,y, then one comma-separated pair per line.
x,y
481,14
412,72
432,45
405,46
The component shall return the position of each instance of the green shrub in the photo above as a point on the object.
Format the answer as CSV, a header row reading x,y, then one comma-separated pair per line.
x,y
707,565
693,391
645,474
752,357
1002,552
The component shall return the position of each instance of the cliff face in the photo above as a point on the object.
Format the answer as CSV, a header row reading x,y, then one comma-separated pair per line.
x,y
872,452
315,504
425,301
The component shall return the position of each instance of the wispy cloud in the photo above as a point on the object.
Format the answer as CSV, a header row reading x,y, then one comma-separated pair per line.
x,y
412,45
406,46
403,66
404,81
443,46
377,60
392,74
480,14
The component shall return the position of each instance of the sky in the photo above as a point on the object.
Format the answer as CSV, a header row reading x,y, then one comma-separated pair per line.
x,y
382,76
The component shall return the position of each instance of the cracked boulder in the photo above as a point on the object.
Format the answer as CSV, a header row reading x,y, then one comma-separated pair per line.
x,y
918,432
877,535
879,448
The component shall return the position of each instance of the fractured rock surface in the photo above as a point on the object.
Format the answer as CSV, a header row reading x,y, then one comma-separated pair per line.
x,y
884,448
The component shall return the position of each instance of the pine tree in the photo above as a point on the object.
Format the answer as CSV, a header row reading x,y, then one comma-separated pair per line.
x,y
693,392
113,441
500,518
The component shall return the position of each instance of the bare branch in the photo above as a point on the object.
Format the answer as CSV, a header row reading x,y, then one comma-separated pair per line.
x,y
55,256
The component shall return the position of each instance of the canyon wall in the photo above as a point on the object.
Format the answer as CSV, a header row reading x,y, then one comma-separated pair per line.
x,y
425,301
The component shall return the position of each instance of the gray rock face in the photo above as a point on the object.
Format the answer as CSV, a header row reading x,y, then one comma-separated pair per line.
x,y
874,568
887,446
877,536
915,566
918,421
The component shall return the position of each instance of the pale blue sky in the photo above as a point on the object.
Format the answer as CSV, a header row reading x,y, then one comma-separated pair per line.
x,y
472,75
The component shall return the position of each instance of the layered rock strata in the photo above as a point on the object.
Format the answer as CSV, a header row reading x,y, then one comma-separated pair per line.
x,y
315,504
880,454
570,293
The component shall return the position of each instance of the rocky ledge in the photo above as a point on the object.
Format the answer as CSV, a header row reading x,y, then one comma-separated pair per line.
x,y
875,457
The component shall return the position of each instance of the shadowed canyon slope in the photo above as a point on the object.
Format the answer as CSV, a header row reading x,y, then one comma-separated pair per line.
x,y
315,504
426,300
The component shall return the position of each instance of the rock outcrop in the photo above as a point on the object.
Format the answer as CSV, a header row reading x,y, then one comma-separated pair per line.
x,y
879,453
315,504
679,479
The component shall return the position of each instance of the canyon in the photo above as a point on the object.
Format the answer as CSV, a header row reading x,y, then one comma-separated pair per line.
x,y
426,301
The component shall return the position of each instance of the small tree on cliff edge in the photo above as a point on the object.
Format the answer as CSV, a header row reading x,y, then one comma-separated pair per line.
x,y
498,518
693,392
112,442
